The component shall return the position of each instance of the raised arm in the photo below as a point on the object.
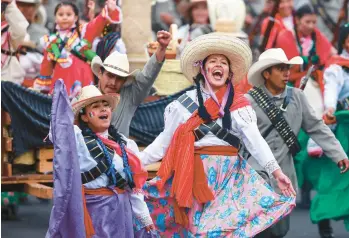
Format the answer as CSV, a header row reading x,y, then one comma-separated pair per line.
x,y
111,13
146,78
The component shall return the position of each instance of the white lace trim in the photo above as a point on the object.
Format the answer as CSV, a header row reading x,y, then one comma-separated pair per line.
x,y
145,219
271,166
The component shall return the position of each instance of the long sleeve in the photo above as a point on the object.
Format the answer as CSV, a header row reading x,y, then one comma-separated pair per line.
x,y
253,140
140,209
17,22
320,133
44,80
145,79
95,27
157,150
333,84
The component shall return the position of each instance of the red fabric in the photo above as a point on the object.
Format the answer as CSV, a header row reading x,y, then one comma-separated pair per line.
x,y
243,86
139,173
277,28
336,59
179,157
286,40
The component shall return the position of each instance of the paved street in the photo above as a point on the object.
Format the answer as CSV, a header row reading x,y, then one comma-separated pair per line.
x,y
35,215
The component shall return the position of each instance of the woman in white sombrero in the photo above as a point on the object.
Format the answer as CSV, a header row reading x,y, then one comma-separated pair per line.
x,y
204,188
111,173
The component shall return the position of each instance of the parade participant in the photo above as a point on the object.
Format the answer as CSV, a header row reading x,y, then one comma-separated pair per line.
x,y
13,32
198,24
281,112
114,77
67,50
111,173
284,20
336,76
335,191
308,42
203,187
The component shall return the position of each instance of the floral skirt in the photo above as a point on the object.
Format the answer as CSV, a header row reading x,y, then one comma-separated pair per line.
x,y
244,203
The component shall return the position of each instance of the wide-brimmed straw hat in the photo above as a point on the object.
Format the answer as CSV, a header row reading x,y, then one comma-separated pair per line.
x,y
238,53
90,94
267,59
115,63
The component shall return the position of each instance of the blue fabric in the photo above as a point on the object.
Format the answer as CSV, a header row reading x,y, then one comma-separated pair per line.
x,y
67,215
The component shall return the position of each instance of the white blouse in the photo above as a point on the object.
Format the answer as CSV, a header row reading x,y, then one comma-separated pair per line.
x,y
139,207
244,126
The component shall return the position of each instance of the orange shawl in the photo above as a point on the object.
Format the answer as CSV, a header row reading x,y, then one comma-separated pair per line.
x,y
179,158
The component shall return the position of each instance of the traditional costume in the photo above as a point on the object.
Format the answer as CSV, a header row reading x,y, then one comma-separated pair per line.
x,y
13,32
111,174
280,118
317,171
203,187
69,50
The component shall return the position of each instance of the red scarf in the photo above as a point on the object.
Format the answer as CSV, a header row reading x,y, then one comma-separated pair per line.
x,y
179,157
139,174
337,59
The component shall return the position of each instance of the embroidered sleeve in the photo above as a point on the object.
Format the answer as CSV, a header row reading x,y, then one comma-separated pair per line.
x,y
255,144
270,167
140,209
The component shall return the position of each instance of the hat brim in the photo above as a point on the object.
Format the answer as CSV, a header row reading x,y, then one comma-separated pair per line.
x,y
112,99
97,63
255,73
236,50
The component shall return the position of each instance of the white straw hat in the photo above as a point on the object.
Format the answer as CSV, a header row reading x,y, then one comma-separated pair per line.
x,y
267,59
238,53
90,94
115,63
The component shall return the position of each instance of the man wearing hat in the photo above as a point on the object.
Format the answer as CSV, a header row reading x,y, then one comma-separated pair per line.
x,y
114,77
281,112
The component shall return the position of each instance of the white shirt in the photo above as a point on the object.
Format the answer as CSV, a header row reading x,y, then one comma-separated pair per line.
x,y
336,84
139,207
244,126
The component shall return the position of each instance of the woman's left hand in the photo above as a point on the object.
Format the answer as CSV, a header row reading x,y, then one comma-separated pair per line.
x,y
111,5
343,165
284,184
150,227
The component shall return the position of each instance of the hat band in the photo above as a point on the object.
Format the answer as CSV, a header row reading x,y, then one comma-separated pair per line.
x,y
114,67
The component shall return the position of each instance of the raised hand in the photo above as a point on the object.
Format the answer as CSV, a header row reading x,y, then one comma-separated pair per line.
x,y
111,5
164,38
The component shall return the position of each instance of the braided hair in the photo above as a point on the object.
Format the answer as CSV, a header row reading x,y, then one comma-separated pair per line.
x,y
76,12
111,173
343,34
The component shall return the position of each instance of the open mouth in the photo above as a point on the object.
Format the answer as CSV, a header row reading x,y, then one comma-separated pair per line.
x,y
103,117
217,74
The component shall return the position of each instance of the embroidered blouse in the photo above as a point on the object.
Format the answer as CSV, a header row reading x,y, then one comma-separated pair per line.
x,y
139,207
336,83
244,126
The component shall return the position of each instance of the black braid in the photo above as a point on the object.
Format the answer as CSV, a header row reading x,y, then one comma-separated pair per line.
x,y
203,113
227,116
